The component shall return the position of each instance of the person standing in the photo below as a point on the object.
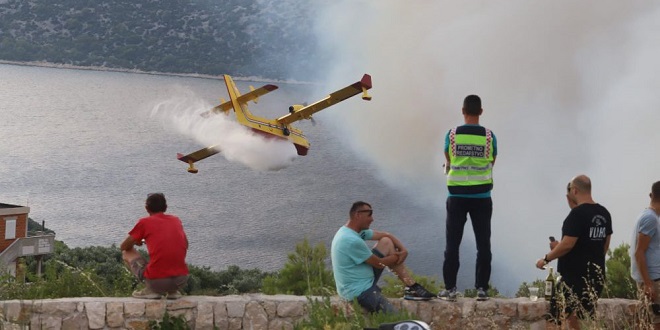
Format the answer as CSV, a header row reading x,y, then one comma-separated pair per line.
x,y
645,253
470,152
357,268
167,244
586,234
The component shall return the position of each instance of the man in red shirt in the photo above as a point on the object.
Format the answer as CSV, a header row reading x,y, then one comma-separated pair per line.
x,y
167,244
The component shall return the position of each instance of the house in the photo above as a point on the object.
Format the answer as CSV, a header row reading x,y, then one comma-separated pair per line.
x,y
14,240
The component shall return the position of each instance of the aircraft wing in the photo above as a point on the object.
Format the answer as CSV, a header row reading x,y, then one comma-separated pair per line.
x,y
349,91
198,155
245,98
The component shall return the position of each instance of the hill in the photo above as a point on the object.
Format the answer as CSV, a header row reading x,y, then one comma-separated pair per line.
x,y
271,39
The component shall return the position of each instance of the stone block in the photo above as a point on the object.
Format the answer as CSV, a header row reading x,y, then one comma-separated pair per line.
x,y
204,318
486,308
50,322
77,321
4,325
137,325
221,320
18,311
280,324
235,323
133,309
532,310
154,309
183,303
255,317
95,314
425,311
54,307
409,306
115,314
508,307
290,309
271,308
468,307
446,315
235,308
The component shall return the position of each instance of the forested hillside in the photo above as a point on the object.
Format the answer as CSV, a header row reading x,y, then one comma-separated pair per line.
x,y
272,39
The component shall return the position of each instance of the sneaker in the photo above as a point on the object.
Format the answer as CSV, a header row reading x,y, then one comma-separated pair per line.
x,y
481,294
174,295
145,294
417,292
448,294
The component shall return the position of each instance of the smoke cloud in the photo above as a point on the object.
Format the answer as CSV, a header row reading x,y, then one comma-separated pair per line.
x,y
236,143
568,88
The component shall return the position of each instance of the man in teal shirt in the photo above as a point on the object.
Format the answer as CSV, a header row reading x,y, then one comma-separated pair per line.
x,y
357,268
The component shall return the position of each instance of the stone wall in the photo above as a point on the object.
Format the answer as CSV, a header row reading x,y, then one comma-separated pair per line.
x,y
264,312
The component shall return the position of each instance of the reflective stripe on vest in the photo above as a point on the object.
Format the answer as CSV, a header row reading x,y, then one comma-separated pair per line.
x,y
471,157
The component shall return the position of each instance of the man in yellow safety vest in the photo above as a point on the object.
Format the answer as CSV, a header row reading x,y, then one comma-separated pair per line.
x,y
470,151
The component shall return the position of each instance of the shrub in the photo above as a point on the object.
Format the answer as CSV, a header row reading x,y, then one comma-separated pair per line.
x,y
304,273
324,315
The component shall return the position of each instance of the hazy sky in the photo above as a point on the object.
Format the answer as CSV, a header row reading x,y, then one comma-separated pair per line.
x,y
568,88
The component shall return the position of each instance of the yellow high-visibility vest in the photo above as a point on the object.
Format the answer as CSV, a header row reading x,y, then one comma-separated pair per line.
x,y
471,160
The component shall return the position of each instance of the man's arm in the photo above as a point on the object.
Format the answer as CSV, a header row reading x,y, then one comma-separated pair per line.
x,y
607,244
643,242
565,245
128,243
380,263
398,246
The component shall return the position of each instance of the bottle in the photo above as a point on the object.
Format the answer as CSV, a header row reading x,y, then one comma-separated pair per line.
x,y
549,285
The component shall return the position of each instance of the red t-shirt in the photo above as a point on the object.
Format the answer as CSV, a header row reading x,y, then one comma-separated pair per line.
x,y
166,243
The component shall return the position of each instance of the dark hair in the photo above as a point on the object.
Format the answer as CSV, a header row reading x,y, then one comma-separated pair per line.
x,y
356,206
472,105
156,203
655,190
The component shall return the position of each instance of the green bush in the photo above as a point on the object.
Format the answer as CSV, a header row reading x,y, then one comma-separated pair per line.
x,y
303,274
231,281
169,323
326,316
619,282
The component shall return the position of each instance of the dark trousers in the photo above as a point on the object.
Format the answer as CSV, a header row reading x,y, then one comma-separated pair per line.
x,y
480,211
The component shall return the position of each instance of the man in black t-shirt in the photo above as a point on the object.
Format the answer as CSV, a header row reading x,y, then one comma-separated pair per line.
x,y
586,234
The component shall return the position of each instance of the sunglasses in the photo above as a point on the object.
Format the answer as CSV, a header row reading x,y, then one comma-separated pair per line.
x,y
371,212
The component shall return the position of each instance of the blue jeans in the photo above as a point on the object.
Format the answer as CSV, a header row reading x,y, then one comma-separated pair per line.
x,y
372,299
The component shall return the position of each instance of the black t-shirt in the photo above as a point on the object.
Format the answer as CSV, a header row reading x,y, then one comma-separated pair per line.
x,y
591,224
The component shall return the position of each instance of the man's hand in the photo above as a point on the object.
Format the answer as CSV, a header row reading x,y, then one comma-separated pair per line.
x,y
402,255
649,290
540,264
553,244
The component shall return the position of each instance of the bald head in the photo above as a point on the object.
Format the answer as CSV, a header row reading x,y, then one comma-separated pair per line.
x,y
582,183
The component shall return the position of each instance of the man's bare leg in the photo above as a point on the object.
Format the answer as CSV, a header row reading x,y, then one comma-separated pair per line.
x,y
386,247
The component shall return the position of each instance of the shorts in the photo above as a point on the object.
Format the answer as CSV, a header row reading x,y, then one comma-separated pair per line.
x,y
655,318
570,297
372,299
157,285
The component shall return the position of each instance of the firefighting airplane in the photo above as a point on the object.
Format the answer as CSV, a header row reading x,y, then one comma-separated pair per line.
x,y
279,128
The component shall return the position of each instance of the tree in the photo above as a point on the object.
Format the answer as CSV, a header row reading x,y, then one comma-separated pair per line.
x,y
619,282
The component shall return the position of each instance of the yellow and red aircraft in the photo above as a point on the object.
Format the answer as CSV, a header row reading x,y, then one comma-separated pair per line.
x,y
279,128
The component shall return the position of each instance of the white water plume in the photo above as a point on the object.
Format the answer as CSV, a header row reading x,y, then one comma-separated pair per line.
x,y
235,142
